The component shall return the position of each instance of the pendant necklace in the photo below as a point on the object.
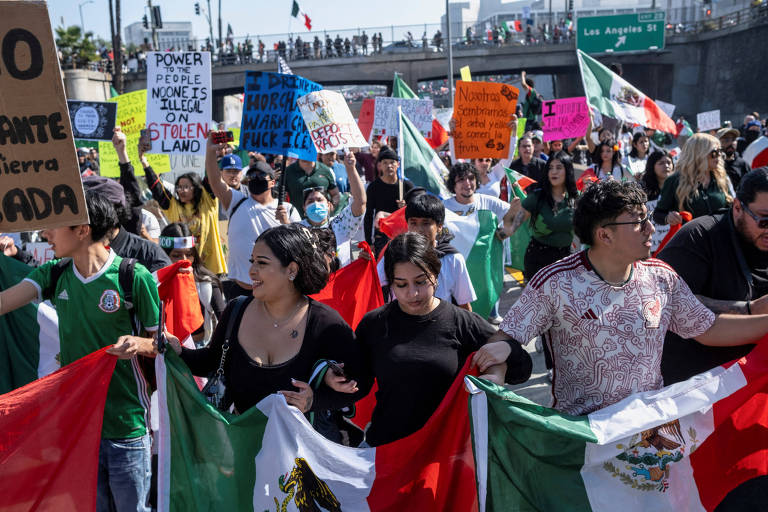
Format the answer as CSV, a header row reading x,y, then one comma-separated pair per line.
x,y
276,323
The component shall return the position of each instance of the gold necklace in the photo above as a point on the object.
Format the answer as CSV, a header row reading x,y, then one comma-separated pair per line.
x,y
276,323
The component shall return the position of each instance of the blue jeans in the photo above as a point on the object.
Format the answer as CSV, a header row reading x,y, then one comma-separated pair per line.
x,y
124,475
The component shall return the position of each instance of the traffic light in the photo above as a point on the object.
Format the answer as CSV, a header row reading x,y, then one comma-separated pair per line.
x,y
570,5
157,21
197,8
144,21
709,13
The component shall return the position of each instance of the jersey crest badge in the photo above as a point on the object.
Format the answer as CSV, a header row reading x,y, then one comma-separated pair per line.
x,y
109,301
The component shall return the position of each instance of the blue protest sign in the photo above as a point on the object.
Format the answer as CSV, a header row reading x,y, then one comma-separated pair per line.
x,y
272,122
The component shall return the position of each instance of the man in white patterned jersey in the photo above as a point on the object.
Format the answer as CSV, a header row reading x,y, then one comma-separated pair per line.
x,y
604,311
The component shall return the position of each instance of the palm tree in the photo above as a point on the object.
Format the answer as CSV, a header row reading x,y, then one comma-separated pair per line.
x,y
77,49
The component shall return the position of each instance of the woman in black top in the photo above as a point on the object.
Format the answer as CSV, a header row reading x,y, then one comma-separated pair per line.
x,y
415,346
280,333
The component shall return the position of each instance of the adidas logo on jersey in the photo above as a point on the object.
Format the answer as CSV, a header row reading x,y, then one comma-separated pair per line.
x,y
63,295
589,315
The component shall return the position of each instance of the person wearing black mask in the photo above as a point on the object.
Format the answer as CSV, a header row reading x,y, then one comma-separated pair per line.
x,y
250,214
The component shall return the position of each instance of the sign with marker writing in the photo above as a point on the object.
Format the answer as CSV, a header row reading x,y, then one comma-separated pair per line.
x,y
178,101
387,122
272,122
40,183
131,118
565,118
330,122
481,112
92,120
708,120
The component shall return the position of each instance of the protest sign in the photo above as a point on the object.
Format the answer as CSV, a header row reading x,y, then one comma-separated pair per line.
x,y
272,122
565,118
40,183
131,117
330,122
42,252
365,119
708,120
92,120
519,134
178,101
386,120
668,108
481,112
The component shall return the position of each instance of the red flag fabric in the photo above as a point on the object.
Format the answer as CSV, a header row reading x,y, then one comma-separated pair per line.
x,y
444,478
439,135
50,432
353,290
307,22
394,224
674,229
179,295
365,119
518,26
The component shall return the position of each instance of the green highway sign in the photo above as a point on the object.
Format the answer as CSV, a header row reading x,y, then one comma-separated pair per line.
x,y
620,33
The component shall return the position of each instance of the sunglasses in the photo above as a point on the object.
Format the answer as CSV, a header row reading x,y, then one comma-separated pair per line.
x,y
715,153
640,222
762,222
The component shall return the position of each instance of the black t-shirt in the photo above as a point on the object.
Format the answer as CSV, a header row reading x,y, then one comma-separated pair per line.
x,y
381,197
715,262
736,169
327,336
414,359
534,169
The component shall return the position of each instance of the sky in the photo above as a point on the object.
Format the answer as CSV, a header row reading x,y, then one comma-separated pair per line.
x,y
256,17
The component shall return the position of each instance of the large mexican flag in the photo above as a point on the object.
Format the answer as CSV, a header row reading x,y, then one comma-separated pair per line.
x,y
684,447
270,458
29,336
614,97
419,162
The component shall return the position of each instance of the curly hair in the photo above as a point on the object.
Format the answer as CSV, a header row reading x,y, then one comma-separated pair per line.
x,y
693,164
604,201
460,171
298,244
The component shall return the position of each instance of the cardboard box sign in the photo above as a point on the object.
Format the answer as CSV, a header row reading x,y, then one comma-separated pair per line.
x,y
40,183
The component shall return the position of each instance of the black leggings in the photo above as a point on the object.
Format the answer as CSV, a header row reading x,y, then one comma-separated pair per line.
x,y
539,255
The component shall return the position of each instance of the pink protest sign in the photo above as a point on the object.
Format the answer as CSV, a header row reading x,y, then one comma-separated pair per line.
x,y
565,118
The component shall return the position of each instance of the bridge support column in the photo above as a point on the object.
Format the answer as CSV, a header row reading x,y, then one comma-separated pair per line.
x,y
217,109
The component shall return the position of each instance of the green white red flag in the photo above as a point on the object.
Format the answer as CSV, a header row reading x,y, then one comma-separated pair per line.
x,y
614,97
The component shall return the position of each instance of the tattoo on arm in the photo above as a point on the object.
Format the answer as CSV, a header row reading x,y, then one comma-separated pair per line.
x,y
518,220
735,307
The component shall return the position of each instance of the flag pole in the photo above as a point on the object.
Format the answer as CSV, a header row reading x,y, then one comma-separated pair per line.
x,y
450,52
400,152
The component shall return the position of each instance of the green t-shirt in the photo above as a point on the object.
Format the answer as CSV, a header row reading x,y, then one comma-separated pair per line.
x,y
296,180
92,315
550,228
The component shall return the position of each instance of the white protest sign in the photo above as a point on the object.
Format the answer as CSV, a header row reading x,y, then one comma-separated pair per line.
x,y
42,252
178,101
386,120
708,120
667,108
329,121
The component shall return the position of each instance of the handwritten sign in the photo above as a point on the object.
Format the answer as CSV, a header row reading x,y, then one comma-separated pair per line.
x,y
92,120
40,183
272,122
365,119
131,117
667,108
330,122
42,252
481,112
708,120
387,122
178,101
565,118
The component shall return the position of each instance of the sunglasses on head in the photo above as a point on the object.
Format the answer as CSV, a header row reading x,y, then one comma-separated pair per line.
x,y
309,190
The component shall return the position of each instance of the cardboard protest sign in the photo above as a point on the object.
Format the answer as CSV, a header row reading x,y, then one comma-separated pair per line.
x,y
668,108
565,118
708,120
178,101
131,118
365,119
272,122
387,122
40,183
330,122
92,120
481,111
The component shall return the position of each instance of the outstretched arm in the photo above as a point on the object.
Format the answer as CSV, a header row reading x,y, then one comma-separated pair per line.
x,y
731,330
219,188
17,296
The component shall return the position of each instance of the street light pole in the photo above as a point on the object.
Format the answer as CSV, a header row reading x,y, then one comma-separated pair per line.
x,y
450,51
80,7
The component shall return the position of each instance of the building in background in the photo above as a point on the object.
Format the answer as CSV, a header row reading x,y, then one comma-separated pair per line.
x,y
174,34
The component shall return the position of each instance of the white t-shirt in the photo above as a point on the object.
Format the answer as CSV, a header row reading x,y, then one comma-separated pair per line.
x,y
479,202
249,220
453,280
606,341
151,223
345,226
492,188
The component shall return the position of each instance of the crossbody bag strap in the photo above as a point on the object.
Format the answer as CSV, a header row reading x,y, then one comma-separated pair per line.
x,y
236,308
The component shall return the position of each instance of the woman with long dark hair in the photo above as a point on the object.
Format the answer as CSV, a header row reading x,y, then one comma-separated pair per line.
x,y
657,169
638,156
178,243
194,204
606,164
549,207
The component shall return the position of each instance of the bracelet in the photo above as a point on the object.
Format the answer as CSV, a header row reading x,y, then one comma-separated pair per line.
x,y
749,307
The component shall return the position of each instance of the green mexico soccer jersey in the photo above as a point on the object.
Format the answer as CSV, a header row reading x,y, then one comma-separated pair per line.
x,y
92,315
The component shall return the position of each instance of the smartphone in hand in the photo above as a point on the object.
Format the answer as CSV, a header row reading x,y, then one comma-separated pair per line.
x,y
145,141
222,137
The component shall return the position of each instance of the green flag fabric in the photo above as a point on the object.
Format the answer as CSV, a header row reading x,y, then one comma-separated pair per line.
x,y
419,162
401,90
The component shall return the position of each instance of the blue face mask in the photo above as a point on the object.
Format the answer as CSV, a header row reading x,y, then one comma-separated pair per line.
x,y
317,212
